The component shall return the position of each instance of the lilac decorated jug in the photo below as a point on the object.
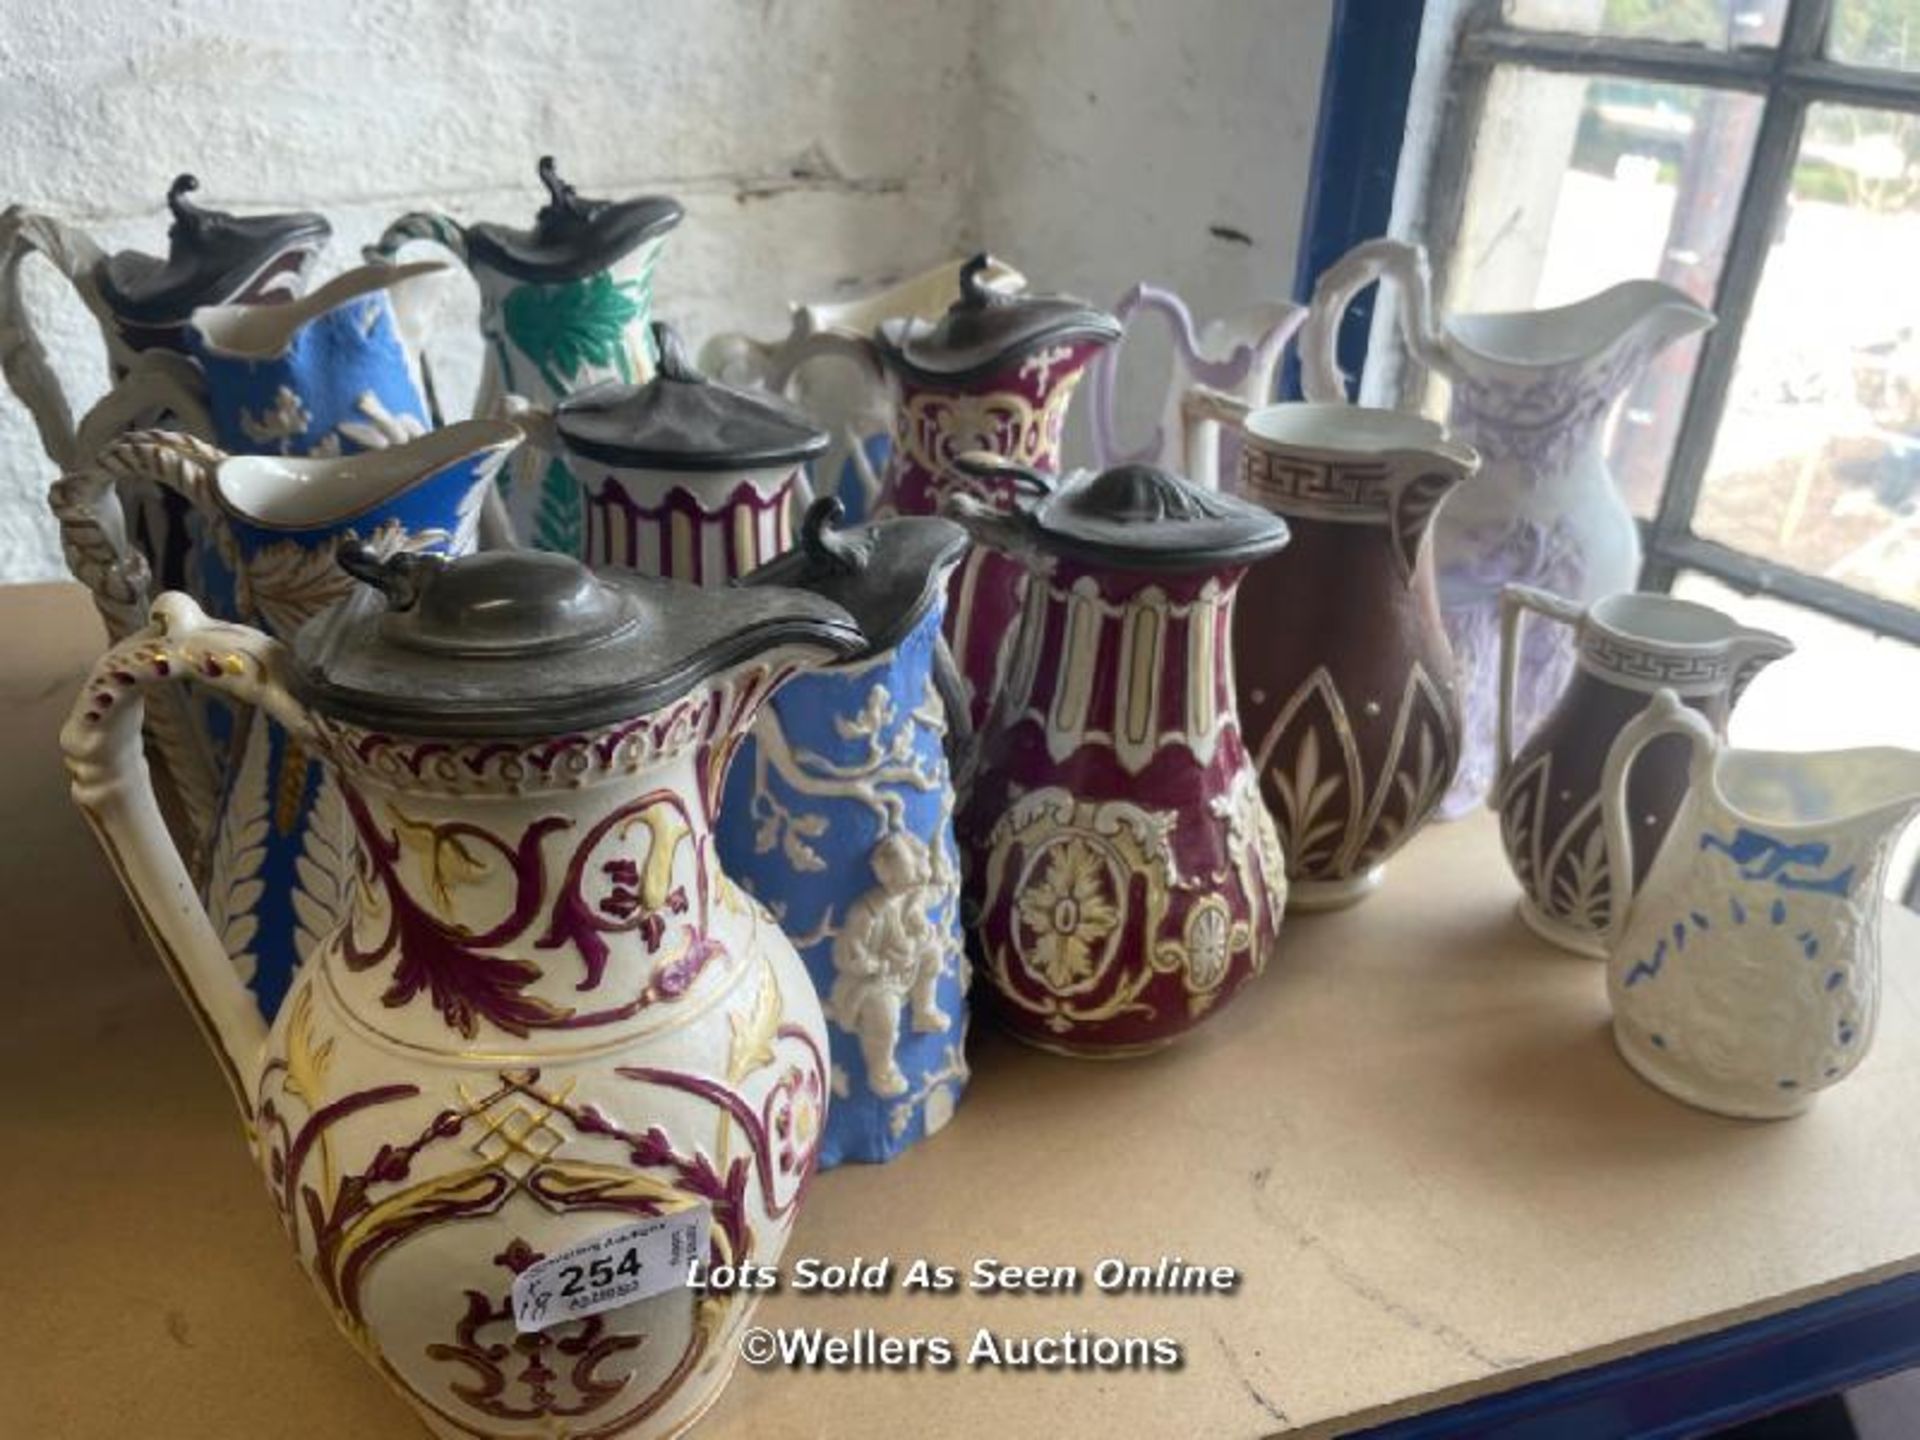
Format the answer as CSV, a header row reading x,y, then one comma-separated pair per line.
x,y
1531,392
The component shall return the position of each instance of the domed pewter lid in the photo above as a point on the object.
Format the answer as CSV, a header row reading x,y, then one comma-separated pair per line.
x,y
571,237
985,327
209,254
526,643
680,420
885,574
1134,517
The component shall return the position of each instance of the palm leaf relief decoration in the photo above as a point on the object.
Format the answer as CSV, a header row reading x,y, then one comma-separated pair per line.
x,y
1319,797
566,328
234,883
558,517
1576,872
1522,816
321,871
1310,759
1420,763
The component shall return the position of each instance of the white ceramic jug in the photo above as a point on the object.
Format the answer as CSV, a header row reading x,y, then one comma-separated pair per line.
x,y
547,1013
1745,969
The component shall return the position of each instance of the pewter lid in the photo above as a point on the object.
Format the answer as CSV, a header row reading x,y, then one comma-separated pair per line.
x,y
209,254
1136,517
522,642
885,574
984,327
680,420
571,237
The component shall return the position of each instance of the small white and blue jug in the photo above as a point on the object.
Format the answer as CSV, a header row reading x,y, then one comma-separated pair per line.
x,y
838,816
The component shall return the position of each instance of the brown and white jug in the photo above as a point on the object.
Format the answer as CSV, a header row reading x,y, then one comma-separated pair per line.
x,y
1346,682
1626,648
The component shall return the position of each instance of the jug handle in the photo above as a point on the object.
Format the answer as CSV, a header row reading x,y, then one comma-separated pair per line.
x,y
184,464
430,225
93,539
1203,410
1334,291
1515,602
114,790
1664,715
23,358
158,382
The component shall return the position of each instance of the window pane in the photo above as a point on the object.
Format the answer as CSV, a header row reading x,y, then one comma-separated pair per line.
x,y
1817,464
1876,32
1579,183
1723,24
1843,686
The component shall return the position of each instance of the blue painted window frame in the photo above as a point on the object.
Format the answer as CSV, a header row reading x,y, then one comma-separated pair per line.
x,y
1365,87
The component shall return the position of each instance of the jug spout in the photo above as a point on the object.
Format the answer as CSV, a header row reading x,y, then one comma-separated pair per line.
x,y
1645,315
1753,650
112,787
264,332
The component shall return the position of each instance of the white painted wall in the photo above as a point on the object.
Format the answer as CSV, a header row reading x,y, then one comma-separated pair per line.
x,y
1120,139
819,146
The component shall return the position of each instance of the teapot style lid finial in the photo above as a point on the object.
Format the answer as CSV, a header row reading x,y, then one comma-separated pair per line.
x,y
211,256
986,327
681,421
572,237
1140,517
525,642
886,574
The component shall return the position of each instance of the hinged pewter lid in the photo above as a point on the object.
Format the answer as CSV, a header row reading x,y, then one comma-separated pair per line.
x,y
209,254
986,326
571,237
1135,517
680,420
522,642
885,574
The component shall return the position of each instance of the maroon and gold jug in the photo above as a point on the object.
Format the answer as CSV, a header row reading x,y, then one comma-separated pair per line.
x,y
995,373
1125,879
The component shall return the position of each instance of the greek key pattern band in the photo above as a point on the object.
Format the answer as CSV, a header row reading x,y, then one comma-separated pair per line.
x,y
1641,668
1345,491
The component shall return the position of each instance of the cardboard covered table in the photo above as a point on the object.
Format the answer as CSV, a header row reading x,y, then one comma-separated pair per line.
x,y
1450,1207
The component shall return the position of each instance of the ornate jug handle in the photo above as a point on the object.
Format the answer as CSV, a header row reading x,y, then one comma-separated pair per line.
x,y
22,357
1238,355
1664,715
1334,291
1515,602
430,225
93,538
158,382
114,790
414,314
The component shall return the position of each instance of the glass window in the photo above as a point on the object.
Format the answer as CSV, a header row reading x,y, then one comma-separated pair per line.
x,y
1723,24
1816,462
1763,157
1876,32
1845,686
1578,183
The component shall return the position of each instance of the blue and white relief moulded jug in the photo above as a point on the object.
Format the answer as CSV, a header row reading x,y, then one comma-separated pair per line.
x,y
838,816
1745,969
